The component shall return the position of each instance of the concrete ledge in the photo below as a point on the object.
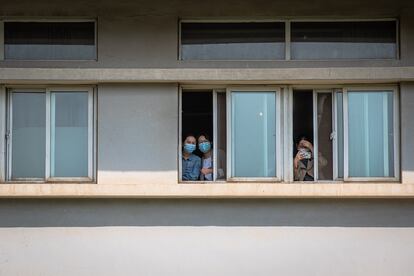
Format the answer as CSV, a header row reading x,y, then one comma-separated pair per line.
x,y
187,75
218,190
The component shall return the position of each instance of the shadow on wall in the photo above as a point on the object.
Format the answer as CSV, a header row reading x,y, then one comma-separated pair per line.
x,y
206,212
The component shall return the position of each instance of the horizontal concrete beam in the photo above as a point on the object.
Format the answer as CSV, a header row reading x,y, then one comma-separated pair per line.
x,y
218,190
198,75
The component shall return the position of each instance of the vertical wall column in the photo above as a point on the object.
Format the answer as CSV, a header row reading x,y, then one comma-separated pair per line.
x,y
407,132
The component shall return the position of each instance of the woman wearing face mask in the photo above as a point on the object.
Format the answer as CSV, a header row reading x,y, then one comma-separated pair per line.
x,y
191,163
204,145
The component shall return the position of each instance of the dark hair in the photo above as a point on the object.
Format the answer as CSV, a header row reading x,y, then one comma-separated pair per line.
x,y
205,135
300,138
188,135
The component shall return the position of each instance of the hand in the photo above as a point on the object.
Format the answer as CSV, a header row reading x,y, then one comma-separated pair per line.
x,y
306,144
206,171
298,157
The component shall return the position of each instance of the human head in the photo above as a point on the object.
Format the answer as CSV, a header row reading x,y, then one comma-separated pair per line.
x,y
301,142
189,144
204,144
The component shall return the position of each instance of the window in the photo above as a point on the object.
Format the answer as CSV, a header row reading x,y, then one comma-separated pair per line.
x,y
371,133
344,40
285,40
352,132
203,113
232,41
254,134
49,40
243,126
50,134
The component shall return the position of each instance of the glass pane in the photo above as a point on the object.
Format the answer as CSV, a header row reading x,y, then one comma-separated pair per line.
x,y
338,40
28,135
253,134
221,136
371,134
340,133
325,169
229,41
69,134
49,40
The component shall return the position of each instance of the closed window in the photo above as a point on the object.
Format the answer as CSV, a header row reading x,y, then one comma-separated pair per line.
x,y
50,134
253,134
232,41
371,133
344,40
49,40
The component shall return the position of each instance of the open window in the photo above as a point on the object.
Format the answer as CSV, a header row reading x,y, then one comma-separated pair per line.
x,y
313,122
203,116
352,133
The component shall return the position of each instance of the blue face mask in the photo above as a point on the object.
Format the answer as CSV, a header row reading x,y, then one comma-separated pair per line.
x,y
204,146
189,148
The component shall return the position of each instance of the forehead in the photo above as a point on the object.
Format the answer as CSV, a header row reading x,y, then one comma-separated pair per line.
x,y
190,138
202,138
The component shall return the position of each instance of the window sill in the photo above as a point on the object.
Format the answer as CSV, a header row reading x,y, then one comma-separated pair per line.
x,y
208,190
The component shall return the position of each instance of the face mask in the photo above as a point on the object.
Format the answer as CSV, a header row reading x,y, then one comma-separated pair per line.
x,y
189,148
204,146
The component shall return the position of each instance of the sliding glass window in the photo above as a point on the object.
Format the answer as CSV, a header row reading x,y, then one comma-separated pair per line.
x,y
49,40
232,41
28,139
371,133
254,134
344,40
50,134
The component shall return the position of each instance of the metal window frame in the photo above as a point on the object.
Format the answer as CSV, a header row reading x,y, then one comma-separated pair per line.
x,y
396,132
315,93
287,22
91,133
180,56
278,141
327,20
182,90
51,20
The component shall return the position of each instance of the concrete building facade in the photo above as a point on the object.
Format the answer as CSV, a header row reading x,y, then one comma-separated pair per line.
x,y
131,213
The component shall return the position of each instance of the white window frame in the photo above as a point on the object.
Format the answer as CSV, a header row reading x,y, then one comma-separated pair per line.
x,y
396,130
49,20
279,138
214,92
91,133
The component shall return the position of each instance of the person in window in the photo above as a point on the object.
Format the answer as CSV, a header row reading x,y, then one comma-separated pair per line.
x,y
204,145
303,162
191,163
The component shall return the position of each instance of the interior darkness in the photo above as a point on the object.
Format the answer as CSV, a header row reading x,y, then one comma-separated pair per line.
x,y
197,114
302,116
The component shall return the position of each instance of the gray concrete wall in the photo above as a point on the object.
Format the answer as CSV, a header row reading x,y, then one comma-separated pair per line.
x,y
206,237
144,34
137,133
407,132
